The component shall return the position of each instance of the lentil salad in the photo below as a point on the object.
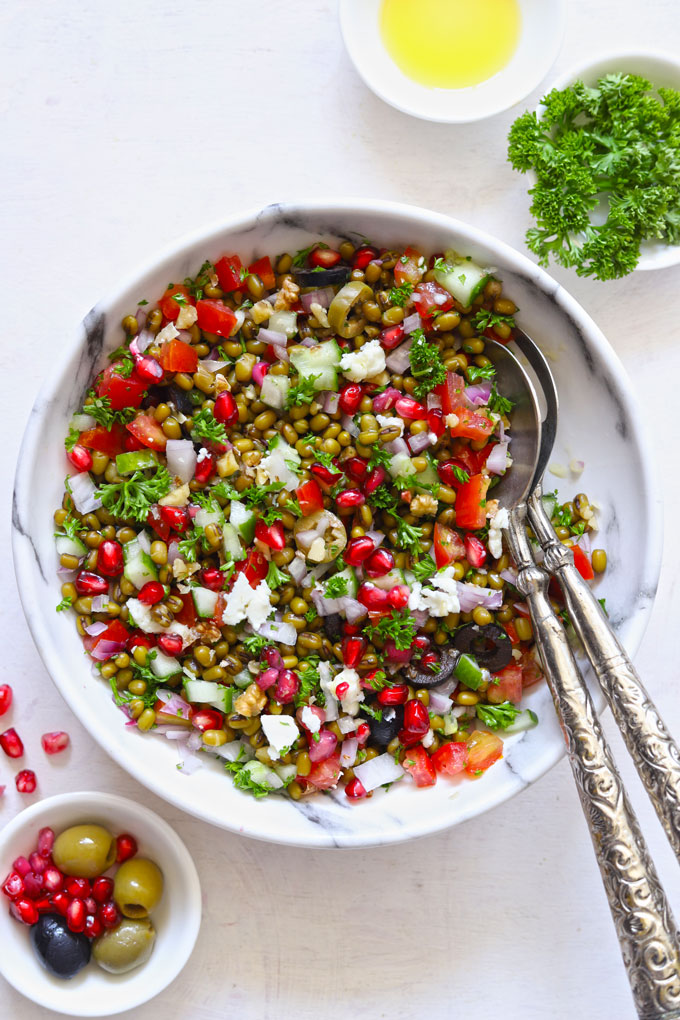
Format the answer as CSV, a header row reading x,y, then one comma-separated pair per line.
x,y
283,544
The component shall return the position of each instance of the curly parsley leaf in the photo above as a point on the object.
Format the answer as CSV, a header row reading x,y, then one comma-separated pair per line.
x,y
400,295
424,568
427,367
206,426
202,280
71,526
380,457
244,775
133,497
477,372
486,319
375,713
499,404
310,682
336,587
409,536
189,546
275,577
65,603
399,626
100,410
497,717
72,438
304,392
254,645
382,499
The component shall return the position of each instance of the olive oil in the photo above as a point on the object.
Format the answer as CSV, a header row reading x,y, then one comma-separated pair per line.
x,y
450,44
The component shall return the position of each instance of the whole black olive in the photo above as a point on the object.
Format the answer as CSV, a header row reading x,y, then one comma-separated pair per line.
x,y
386,728
422,678
333,626
61,951
318,278
489,645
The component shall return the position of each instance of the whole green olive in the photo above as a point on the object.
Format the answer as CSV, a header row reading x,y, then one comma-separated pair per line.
x,y
138,886
126,946
84,850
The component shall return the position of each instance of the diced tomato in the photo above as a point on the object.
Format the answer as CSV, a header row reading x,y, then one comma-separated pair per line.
x,y
362,256
326,258
230,273
509,628
531,669
506,685
471,503
483,750
254,566
263,268
114,632
310,497
131,444
174,300
418,762
583,564
450,758
475,551
139,639
325,774
452,393
148,432
155,521
176,356
472,460
499,339
448,546
186,615
471,425
410,268
122,391
429,299
214,317
108,441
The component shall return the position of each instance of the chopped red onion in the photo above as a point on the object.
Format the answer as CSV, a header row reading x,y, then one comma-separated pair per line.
x,y
284,633
100,604
174,704
105,649
421,617
378,771
398,445
96,628
83,491
188,761
576,467
522,608
67,575
233,750
376,537
497,461
144,541
349,425
584,542
419,441
348,752
142,341
331,401
211,365
173,551
398,361
509,575
184,335
273,337
478,394
315,573
352,609
171,732
297,568
446,687
308,341
470,596
317,297
433,401
411,323
181,458
439,703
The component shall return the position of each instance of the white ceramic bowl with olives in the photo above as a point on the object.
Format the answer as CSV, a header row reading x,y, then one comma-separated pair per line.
x,y
157,889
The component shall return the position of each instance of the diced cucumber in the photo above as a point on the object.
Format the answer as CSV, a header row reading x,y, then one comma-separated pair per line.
x,y
243,679
139,567
243,519
526,720
205,601
283,321
352,584
549,503
463,278
262,775
231,543
427,477
137,460
163,665
209,515
206,692
274,390
70,546
286,772
401,466
322,360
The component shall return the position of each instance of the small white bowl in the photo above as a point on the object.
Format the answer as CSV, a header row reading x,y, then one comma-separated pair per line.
x,y
94,992
541,33
661,69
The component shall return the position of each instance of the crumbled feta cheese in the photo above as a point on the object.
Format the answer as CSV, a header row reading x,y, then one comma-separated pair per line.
x,y
401,465
495,540
368,361
176,497
451,420
246,603
203,454
440,597
309,719
187,317
168,332
325,681
347,724
352,697
387,421
281,731
279,466
428,739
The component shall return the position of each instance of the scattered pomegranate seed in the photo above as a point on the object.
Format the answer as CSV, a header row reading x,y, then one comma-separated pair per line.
x,y
108,914
350,398
374,598
126,847
80,457
353,649
102,887
148,368
24,910
52,879
38,862
435,421
356,468
475,551
56,742
363,255
25,781
398,596
207,719
11,743
33,885
325,475
22,866
351,629
341,690
205,466
397,695
88,583
43,904
392,336
363,731
91,905
416,717
447,472
60,902
45,841
93,926
272,535
213,578
75,915
110,558
429,661
77,888
267,678
379,563
272,656
420,643
358,549
5,698
410,408
349,499
151,593
13,885
176,517
324,258
226,409
171,644
386,400
355,789
286,687
374,480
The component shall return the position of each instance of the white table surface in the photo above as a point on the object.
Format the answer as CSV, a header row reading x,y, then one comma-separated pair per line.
x,y
127,124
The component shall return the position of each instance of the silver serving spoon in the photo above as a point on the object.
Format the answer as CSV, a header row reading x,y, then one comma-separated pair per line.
x,y
646,929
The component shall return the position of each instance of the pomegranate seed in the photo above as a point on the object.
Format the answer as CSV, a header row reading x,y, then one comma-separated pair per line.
x,y
355,789
5,698
205,466
148,368
171,644
375,599
78,888
25,781
226,409
324,257
38,862
272,656
350,629
11,743
151,593
392,337
91,905
93,926
56,742
52,879
397,695
364,255
435,421
447,472
212,578
110,558
33,885
421,643
207,719
408,407
45,842
287,687
429,661
358,549
322,748
102,887
353,649
259,372
272,535
88,583
325,475
43,904
22,866
267,678
349,499
13,885
177,517
80,457
379,563
475,551
108,914
398,596
356,468
60,902
374,480
416,717
24,910
75,915
385,401
341,690
363,732
350,398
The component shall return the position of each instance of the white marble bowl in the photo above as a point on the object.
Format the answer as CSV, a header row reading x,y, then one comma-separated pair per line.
x,y
177,918
600,424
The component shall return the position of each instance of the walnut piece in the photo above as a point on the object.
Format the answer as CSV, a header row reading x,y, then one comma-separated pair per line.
x,y
424,504
261,311
251,702
288,295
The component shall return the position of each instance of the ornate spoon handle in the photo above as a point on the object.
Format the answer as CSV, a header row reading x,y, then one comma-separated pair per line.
x,y
655,753
644,924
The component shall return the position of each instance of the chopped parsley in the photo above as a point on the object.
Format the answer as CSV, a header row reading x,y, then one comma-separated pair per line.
x,y
100,410
497,717
380,456
379,681
304,392
476,372
310,682
272,514
486,319
275,577
399,627
72,438
254,645
71,526
311,614
301,256
409,536
243,779
188,548
382,499
427,367
460,474
499,404
400,295
375,713
65,603
201,281
133,497
424,568
206,426
336,587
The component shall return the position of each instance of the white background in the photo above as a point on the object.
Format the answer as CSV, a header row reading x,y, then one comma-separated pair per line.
x,y
125,124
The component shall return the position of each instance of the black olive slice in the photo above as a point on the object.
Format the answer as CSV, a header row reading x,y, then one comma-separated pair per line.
x,y
423,678
386,728
319,278
332,624
489,644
